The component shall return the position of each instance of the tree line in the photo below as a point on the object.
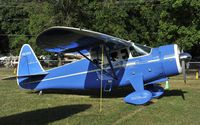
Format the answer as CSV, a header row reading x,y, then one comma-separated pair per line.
x,y
149,22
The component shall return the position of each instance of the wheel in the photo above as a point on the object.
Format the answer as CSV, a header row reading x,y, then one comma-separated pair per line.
x,y
138,98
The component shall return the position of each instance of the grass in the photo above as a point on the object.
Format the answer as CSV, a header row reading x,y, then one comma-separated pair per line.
x,y
179,106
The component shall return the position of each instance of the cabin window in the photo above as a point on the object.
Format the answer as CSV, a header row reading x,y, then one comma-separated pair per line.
x,y
114,56
144,48
124,54
96,56
139,50
133,52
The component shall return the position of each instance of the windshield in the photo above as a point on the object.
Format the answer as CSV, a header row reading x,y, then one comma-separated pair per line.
x,y
139,50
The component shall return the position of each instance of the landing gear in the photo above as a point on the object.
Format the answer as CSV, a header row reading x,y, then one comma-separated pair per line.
x,y
140,96
40,92
156,90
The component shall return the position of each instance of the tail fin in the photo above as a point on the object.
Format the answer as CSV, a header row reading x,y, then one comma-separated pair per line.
x,y
28,62
28,65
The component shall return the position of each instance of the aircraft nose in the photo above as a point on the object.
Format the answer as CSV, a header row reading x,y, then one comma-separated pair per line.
x,y
185,57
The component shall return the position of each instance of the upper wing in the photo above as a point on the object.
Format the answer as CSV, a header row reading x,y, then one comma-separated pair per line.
x,y
69,39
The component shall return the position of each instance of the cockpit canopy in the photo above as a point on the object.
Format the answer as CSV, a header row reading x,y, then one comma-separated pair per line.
x,y
120,55
139,50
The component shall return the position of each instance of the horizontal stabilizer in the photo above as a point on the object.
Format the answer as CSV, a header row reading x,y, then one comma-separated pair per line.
x,y
9,78
21,76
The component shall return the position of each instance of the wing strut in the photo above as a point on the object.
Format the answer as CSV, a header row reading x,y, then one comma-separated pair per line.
x,y
113,76
111,66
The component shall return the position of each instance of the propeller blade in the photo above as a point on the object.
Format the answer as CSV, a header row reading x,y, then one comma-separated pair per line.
x,y
184,57
184,71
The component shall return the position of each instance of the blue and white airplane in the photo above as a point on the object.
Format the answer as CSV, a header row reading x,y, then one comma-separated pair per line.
x,y
113,62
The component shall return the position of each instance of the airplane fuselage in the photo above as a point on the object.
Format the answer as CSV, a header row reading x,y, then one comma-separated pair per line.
x,y
159,64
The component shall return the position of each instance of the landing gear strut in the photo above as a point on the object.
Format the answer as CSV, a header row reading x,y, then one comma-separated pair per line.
x,y
140,96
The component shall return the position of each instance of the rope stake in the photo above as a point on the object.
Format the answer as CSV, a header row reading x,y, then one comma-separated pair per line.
x,y
101,87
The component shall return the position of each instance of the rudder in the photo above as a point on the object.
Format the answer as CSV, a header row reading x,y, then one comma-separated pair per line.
x,y
28,64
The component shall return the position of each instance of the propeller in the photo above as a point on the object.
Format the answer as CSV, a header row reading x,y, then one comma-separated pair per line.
x,y
184,58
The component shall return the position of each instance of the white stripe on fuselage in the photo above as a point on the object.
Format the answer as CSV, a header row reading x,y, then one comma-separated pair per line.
x,y
165,58
80,73
96,70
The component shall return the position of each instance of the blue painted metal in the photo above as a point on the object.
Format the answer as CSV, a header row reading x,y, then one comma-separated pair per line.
x,y
168,62
138,98
28,63
156,90
29,67
83,74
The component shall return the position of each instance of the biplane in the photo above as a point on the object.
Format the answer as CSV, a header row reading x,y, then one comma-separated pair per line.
x,y
113,62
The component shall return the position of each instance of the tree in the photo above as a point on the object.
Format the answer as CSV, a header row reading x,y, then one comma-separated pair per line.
x,y
153,23
14,21
179,23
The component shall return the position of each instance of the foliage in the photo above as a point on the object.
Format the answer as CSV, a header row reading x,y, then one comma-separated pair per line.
x,y
153,23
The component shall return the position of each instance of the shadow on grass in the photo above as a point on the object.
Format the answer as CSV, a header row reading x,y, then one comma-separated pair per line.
x,y
176,92
115,93
43,116
94,93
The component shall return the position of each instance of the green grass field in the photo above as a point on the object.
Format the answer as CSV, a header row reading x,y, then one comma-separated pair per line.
x,y
179,106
